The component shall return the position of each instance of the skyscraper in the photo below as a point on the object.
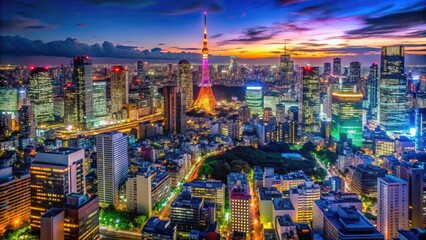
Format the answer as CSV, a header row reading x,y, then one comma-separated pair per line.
x,y
41,94
414,176
233,68
119,89
354,72
393,115
83,83
174,110
185,81
205,100
347,117
392,205
310,102
99,99
327,68
54,175
286,67
372,90
337,66
254,99
112,162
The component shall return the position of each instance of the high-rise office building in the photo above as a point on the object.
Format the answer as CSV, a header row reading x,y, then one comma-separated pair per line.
x,y
364,179
286,67
347,117
205,100
54,175
414,175
112,162
420,126
393,115
40,94
327,68
302,197
233,68
119,89
372,91
146,189
337,66
100,99
310,99
14,197
70,110
254,99
392,205
8,99
26,122
53,224
354,72
174,110
185,81
155,229
239,202
83,83
244,113
81,217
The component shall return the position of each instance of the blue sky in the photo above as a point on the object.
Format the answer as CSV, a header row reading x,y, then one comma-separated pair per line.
x,y
245,28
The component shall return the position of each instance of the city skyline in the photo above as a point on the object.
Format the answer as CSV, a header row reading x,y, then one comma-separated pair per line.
x,y
257,29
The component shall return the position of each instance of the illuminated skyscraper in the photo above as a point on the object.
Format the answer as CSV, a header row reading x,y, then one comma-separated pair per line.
x,y
119,89
347,117
254,99
174,110
205,100
354,71
99,99
327,68
233,68
310,102
41,94
337,66
8,99
54,175
393,115
286,67
83,83
112,162
185,81
392,205
372,90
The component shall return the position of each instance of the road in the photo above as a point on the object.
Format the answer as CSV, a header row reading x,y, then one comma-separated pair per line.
x,y
123,126
329,173
106,233
257,228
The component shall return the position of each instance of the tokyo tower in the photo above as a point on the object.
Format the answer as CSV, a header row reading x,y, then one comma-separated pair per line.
x,y
205,100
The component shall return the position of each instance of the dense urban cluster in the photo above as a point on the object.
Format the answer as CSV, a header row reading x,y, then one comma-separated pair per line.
x,y
90,151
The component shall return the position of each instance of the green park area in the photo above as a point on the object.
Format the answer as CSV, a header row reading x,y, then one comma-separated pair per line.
x,y
245,158
120,220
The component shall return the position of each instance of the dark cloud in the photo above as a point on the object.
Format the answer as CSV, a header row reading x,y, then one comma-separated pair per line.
x,y
288,2
22,23
187,6
293,27
186,49
125,3
391,23
19,46
37,27
276,52
157,49
216,36
161,44
254,34
81,24
420,33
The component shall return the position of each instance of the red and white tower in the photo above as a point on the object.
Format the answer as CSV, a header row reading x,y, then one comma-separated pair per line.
x,y
205,100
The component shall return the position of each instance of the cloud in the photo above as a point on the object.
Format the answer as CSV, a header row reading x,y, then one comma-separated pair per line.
x,y
253,34
157,49
187,6
216,36
37,27
19,46
81,24
161,44
186,48
391,23
23,23
125,3
288,2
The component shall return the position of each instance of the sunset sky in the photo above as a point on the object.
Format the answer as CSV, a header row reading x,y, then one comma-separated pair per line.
x,y
244,28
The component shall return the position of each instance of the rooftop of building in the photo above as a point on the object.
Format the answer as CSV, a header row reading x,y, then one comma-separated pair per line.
x,y
63,151
413,234
205,183
53,212
295,175
282,204
239,193
268,193
186,200
285,220
370,169
392,179
155,225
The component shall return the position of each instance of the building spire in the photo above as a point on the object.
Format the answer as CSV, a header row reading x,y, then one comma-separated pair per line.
x,y
205,49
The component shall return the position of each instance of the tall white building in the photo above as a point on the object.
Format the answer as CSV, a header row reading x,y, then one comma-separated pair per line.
x,y
392,203
112,162
303,198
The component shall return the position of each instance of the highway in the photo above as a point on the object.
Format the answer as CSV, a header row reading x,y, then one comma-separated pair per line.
x,y
123,126
107,233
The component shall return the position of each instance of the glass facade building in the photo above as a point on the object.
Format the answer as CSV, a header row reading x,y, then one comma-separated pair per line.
x,y
83,82
310,102
8,100
99,99
347,117
41,94
372,90
254,99
393,114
